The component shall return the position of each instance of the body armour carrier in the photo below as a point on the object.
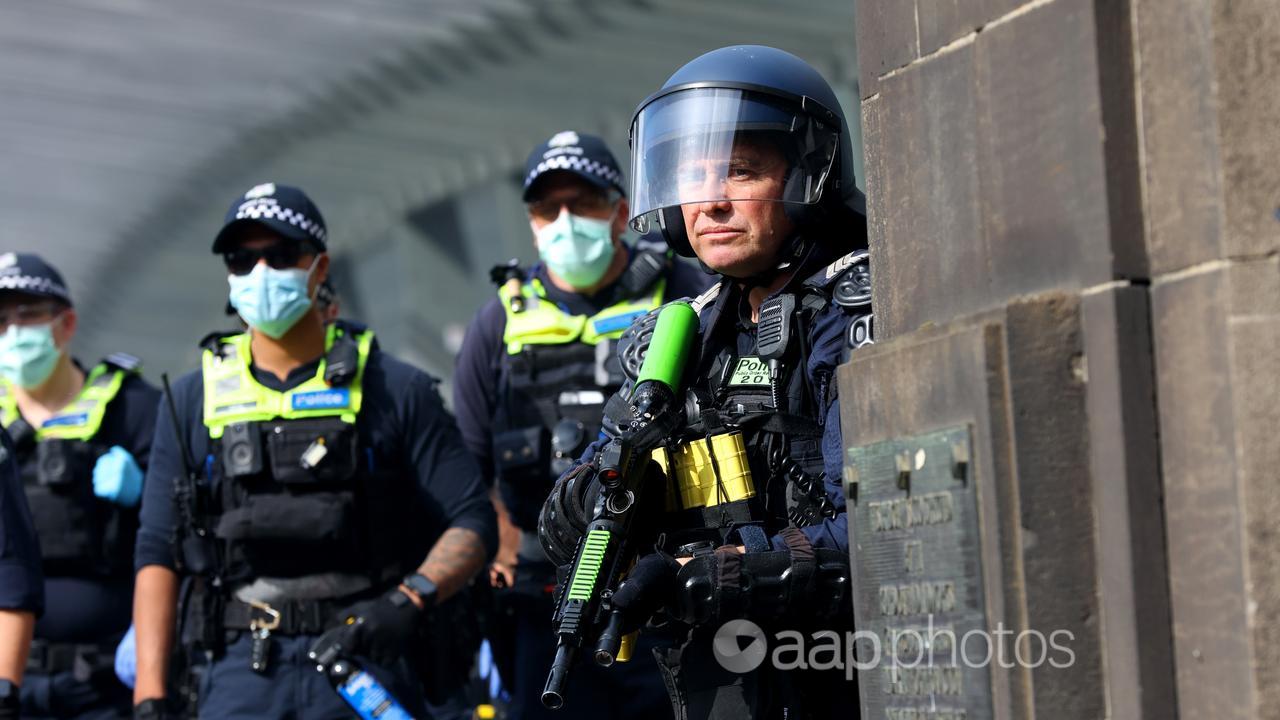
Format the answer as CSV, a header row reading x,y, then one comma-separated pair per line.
x,y
755,412
558,370
81,535
297,493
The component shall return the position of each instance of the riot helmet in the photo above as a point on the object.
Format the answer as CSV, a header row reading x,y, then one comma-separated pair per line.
x,y
729,118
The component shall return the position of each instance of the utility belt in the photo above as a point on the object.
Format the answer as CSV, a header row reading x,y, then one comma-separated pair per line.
x,y
288,617
85,660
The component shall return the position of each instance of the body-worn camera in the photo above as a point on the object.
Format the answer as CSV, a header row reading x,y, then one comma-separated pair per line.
x,y
60,462
241,450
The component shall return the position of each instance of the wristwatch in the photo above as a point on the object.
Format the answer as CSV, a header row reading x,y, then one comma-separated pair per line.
x,y
10,695
150,709
421,586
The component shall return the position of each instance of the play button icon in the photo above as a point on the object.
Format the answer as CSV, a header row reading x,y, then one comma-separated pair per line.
x,y
739,646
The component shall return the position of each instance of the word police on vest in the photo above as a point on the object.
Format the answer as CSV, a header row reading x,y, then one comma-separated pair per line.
x,y
332,399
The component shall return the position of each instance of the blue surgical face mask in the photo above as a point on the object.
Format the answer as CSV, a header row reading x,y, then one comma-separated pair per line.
x,y
576,248
28,354
271,301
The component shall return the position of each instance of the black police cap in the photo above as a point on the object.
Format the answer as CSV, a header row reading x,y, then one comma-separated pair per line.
x,y
586,156
283,209
29,274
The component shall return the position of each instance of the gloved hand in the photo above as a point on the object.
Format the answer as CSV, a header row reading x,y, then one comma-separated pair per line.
x,y
566,513
127,659
649,586
811,584
117,477
618,412
152,709
655,414
379,629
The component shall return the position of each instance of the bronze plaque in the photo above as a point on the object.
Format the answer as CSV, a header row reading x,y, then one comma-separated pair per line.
x,y
918,585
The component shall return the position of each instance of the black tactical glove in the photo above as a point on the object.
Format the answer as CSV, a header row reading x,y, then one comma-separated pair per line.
x,y
645,416
567,512
153,709
378,629
649,586
617,411
802,583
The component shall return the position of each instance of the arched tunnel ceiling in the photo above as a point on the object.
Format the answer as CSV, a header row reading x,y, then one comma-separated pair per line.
x,y
128,126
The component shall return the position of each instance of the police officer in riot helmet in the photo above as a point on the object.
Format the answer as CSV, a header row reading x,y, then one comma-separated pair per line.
x,y
21,583
315,495
534,370
743,159
81,437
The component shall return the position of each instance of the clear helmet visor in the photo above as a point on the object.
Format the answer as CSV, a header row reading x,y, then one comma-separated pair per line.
x,y
716,144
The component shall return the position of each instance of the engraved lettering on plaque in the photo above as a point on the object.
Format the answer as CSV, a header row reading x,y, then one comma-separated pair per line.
x,y
913,558
918,577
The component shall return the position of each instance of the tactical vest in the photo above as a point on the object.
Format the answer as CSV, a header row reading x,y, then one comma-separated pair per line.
x,y
297,493
558,370
81,535
764,397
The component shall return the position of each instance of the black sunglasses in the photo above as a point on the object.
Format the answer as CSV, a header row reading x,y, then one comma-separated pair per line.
x,y
280,256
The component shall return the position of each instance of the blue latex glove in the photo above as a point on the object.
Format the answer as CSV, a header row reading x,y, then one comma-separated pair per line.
x,y
127,659
486,668
117,477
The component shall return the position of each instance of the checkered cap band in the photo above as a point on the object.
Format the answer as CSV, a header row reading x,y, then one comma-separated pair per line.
x,y
269,209
35,286
577,164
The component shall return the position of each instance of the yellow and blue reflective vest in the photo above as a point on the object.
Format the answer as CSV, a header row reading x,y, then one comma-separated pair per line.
x,y
80,534
232,395
558,371
81,419
297,493
542,322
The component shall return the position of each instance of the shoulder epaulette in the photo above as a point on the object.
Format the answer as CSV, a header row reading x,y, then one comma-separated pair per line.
x,y
830,273
503,273
123,361
213,342
706,298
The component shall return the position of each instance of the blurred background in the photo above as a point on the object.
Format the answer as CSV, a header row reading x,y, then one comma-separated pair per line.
x,y
127,127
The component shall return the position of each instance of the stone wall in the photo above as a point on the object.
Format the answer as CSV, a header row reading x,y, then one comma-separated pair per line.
x,y
1095,184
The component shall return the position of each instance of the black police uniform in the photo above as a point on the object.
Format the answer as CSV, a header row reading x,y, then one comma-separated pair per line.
x,y
309,494
500,400
761,391
404,436
527,409
21,582
88,557
796,446
86,541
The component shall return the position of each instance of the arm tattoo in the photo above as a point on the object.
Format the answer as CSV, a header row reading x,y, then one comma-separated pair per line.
x,y
453,560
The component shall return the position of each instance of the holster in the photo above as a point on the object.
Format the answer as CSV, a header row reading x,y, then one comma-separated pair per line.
x,y
522,459
92,663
